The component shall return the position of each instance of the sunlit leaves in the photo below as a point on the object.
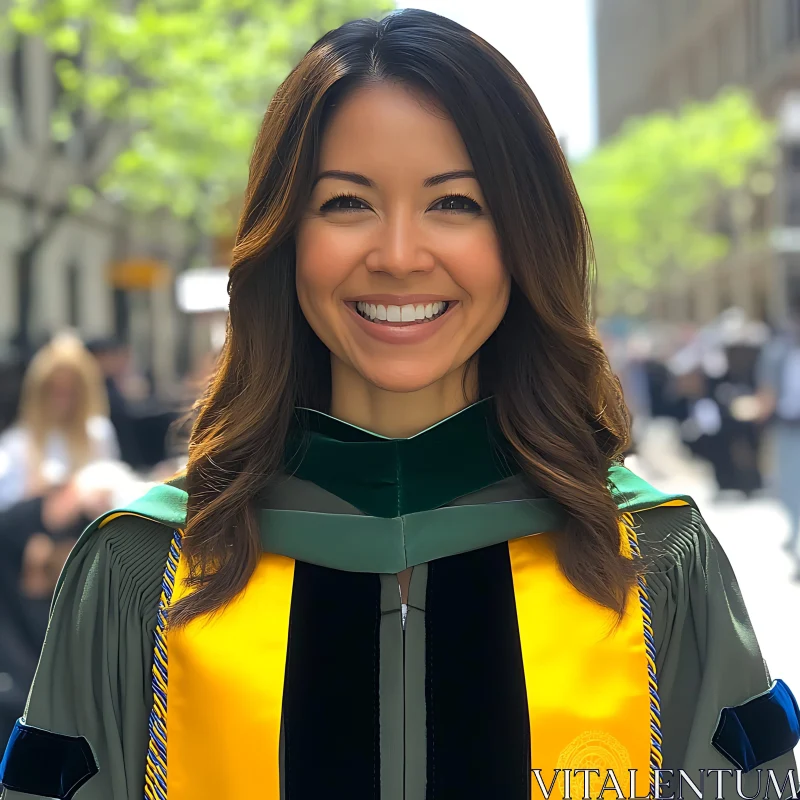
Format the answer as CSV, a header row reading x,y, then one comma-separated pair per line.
x,y
188,80
651,191
80,198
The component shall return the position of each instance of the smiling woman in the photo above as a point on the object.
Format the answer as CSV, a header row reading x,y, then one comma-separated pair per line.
x,y
406,561
398,235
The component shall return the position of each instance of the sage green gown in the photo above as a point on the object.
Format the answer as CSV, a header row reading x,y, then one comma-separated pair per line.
x,y
94,677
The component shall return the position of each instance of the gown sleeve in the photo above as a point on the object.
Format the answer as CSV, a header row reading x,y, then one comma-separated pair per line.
x,y
708,659
94,673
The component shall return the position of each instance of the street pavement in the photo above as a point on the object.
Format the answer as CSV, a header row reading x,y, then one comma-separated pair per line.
x,y
752,533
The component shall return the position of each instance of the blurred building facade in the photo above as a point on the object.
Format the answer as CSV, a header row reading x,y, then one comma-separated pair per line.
x,y
653,55
102,271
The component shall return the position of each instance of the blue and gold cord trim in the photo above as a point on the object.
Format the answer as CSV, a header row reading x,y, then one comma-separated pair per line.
x,y
656,760
155,782
156,764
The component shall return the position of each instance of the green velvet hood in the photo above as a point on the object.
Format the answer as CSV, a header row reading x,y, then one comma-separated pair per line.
x,y
401,502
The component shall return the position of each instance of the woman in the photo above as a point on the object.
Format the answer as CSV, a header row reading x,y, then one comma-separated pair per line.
x,y
410,389
63,423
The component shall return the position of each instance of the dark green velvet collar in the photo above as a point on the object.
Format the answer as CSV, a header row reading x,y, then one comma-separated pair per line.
x,y
404,489
393,477
361,543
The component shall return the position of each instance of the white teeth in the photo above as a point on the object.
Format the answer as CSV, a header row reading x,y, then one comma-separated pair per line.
x,y
367,310
406,313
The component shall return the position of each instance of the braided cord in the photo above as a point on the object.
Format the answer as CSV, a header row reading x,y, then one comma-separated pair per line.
x,y
156,765
155,781
656,760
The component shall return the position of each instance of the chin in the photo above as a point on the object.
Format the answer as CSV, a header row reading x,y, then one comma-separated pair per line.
x,y
402,379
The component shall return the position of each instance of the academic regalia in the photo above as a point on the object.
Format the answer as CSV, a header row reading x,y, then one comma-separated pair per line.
x,y
370,701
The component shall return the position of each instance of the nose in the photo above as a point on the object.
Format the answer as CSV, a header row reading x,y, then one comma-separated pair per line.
x,y
400,249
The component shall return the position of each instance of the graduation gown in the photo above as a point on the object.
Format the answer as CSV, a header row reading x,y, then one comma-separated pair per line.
x,y
378,707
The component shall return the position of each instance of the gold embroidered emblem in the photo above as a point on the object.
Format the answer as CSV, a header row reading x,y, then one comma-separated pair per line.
x,y
596,750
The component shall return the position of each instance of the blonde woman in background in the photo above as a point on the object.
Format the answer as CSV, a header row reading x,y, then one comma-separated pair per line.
x,y
62,426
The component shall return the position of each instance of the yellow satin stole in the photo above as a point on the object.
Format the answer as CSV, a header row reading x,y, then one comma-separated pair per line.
x,y
218,684
593,719
218,690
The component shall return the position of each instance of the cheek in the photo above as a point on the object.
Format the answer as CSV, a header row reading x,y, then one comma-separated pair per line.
x,y
477,266
324,260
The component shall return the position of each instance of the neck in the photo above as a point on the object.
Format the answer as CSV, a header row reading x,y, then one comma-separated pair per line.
x,y
398,415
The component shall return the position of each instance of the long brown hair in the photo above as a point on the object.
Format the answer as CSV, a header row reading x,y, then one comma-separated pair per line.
x,y
556,398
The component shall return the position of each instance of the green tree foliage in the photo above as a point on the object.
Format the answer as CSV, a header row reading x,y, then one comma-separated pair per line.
x,y
653,191
179,85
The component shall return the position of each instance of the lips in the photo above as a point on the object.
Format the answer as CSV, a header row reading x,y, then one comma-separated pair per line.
x,y
405,323
408,313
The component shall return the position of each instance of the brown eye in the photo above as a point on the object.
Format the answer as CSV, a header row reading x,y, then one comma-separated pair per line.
x,y
457,202
345,202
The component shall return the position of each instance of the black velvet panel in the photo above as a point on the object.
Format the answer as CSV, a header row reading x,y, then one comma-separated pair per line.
x,y
478,731
331,694
48,764
763,728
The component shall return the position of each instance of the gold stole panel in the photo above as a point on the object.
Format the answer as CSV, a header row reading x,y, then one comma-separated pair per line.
x,y
587,678
587,681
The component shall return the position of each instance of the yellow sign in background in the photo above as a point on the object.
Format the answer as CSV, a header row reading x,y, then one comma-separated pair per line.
x,y
139,273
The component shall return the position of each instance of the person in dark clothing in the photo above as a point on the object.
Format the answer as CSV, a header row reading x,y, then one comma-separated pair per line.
x,y
740,431
23,620
36,536
113,357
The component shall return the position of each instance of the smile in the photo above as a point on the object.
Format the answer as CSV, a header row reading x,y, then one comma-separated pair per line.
x,y
409,314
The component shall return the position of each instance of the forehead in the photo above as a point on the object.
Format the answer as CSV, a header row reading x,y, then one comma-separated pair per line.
x,y
392,130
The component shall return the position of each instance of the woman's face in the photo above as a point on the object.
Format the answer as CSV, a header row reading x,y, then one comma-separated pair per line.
x,y
63,393
398,264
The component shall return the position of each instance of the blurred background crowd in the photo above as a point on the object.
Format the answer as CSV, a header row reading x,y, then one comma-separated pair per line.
x,y
124,139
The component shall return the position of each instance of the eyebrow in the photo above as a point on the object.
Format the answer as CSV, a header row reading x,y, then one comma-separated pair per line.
x,y
436,180
363,180
339,175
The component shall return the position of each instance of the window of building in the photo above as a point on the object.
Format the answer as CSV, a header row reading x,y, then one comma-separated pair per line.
x,y
74,294
787,20
722,42
792,21
780,13
737,45
755,32
122,314
793,201
791,177
709,59
17,65
761,213
692,74
792,158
